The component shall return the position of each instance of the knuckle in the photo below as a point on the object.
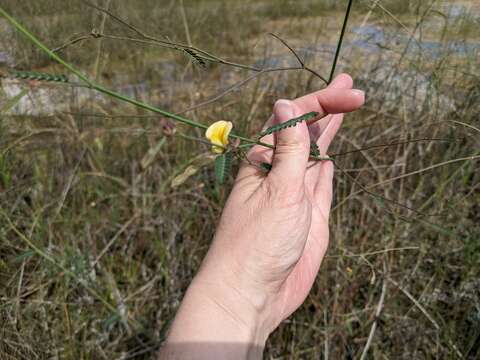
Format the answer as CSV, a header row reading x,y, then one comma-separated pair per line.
x,y
291,146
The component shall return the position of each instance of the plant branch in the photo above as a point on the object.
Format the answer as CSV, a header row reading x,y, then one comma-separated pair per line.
x,y
302,63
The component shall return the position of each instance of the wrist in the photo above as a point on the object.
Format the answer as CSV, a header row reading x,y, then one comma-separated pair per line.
x,y
229,306
213,322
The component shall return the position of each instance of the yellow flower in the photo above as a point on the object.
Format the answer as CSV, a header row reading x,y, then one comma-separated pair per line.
x,y
218,133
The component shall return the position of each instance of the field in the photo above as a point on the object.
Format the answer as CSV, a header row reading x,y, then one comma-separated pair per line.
x,y
106,210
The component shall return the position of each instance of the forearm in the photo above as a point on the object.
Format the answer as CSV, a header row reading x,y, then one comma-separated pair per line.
x,y
213,324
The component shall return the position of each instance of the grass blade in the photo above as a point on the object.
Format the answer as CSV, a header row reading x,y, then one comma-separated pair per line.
x,y
12,102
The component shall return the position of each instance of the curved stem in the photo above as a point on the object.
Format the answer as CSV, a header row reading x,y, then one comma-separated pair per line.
x,y
93,85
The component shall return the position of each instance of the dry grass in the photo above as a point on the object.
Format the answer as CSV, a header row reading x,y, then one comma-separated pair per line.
x,y
110,231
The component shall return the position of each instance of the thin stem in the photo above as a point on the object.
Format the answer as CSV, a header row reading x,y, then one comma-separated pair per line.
x,y
340,41
389,145
374,195
366,188
299,59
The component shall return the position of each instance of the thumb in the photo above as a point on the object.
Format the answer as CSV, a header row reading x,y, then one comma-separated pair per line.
x,y
292,147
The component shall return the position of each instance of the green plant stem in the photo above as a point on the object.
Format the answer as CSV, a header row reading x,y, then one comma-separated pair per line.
x,y
93,85
340,41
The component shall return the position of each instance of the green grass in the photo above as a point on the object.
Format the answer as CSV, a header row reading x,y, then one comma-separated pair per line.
x,y
72,185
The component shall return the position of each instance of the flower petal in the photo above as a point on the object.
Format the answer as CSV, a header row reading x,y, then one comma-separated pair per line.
x,y
218,134
226,132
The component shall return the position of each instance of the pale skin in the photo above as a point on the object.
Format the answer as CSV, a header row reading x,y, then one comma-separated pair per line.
x,y
271,238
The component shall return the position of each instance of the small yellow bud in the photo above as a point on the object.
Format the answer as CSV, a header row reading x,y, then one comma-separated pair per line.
x,y
218,133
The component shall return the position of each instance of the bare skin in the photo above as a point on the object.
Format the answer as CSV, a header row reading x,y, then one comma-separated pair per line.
x,y
271,238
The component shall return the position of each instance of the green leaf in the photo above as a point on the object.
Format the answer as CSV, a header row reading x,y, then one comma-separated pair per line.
x,y
290,123
223,164
314,151
24,255
196,59
266,166
33,75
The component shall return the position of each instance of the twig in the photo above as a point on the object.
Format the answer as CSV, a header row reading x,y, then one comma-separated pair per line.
x,y
114,238
302,63
375,321
235,87
424,312
465,124
389,13
185,23
96,67
428,168
67,188
375,252
388,145
71,42
326,347
93,85
289,48
416,303
375,195
366,188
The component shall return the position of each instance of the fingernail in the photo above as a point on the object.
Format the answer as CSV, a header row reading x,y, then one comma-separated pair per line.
x,y
284,108
359,93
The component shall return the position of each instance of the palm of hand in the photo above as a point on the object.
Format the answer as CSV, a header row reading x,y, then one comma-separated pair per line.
x,y
295,220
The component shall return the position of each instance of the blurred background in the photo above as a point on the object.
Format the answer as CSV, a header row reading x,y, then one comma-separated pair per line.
x,y
107,210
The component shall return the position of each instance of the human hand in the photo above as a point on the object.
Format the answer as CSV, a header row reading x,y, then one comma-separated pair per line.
x,y
273,233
